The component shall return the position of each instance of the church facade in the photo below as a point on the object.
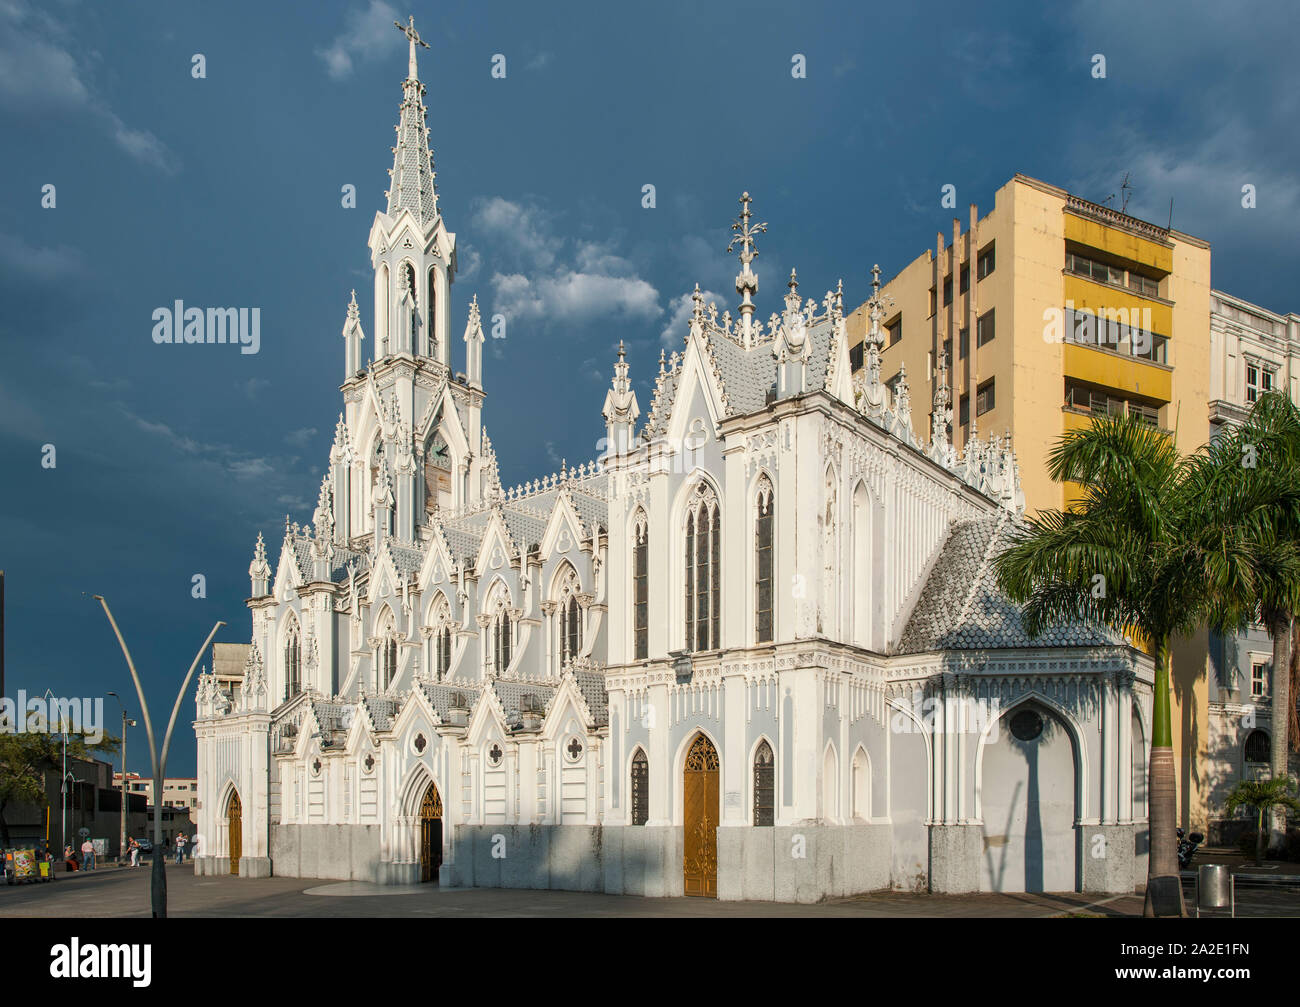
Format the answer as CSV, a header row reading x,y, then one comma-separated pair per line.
x,y
755,650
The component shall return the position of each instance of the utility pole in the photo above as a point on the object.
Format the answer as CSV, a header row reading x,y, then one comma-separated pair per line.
x,y
2,633
158,876
121,849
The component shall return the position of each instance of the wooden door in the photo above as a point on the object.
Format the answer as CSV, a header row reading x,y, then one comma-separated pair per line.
x,y
430,834
700,822
235,822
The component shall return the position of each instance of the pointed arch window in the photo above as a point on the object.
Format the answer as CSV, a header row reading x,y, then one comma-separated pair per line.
x,y
640,791
409,314
430,312
703,569
641,587
764,504
764,785
383,296
500,633
292,662
387,652
441,623
568,619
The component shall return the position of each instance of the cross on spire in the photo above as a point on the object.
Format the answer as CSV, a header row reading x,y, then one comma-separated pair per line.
x,y
745,232
413,37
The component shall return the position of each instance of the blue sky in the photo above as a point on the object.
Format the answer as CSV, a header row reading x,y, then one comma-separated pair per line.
x,y
226,191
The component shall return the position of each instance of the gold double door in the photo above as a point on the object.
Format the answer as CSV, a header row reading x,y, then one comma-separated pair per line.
x,y
700,822
430,834
235,823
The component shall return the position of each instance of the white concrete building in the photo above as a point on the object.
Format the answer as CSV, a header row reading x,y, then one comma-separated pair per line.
x,y
1252,351
755,651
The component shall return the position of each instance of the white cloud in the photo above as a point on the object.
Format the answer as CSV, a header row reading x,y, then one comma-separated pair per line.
x,y
679,321
37,72
38,263
542,59
369,34
300,438
540,279
527,232
574,297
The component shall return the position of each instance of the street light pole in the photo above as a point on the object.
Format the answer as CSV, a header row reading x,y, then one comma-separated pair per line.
x,y
158,879
121,848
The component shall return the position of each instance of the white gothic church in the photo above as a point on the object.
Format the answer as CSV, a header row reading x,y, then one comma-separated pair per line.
x,y
754,651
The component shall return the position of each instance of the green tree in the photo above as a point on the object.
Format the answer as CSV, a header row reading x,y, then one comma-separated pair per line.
x,y
1262,796
1123,555
26,758
1253,474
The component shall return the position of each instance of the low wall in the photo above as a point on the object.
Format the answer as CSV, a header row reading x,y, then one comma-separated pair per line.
x,y
332,852
786,864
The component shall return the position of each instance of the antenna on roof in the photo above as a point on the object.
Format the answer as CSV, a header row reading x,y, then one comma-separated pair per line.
x,y
1126,189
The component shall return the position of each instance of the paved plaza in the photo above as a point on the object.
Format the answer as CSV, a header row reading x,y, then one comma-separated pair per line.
x,y
123,892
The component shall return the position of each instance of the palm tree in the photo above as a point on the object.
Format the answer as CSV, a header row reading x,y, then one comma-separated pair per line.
x,y
1122,556
1251,481
1262,796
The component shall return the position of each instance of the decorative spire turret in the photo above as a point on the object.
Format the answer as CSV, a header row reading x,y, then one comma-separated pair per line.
x,y
621,409
940,447
746,281
259,571
474,346
352,337
412,176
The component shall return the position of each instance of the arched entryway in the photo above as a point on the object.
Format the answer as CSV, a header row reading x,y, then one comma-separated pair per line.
x,y
700,819
234,829
430,834
1029,803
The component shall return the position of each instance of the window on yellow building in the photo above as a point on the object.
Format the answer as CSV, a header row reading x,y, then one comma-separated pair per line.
x,y
985,262
984,329
984,398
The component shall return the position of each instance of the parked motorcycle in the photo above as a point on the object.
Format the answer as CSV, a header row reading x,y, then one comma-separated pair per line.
x,y
1187,847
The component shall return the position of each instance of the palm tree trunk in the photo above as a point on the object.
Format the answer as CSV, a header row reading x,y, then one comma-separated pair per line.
x,y
1259,838
4,826
1162,802
1279,629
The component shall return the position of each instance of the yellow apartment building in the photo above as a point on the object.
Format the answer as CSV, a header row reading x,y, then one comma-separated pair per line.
x,y
1049,310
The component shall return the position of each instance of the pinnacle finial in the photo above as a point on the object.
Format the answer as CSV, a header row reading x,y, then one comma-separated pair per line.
x,y
414,38
794,281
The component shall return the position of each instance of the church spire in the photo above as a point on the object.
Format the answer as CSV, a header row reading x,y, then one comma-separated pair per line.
x,y
412,175
747,281
621,410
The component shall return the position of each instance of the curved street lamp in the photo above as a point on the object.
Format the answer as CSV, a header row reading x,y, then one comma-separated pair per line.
x,y
158,876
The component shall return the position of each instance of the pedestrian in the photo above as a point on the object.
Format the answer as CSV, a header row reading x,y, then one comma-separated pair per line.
x,y
180,848
134,848
69,858
88,855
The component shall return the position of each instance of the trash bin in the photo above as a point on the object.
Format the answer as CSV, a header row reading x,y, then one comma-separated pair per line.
x,y
1214,887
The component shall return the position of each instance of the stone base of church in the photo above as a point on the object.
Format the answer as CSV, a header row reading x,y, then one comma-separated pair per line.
x,y
211,866
955,855
254,867
331,852
788,864
1109,858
